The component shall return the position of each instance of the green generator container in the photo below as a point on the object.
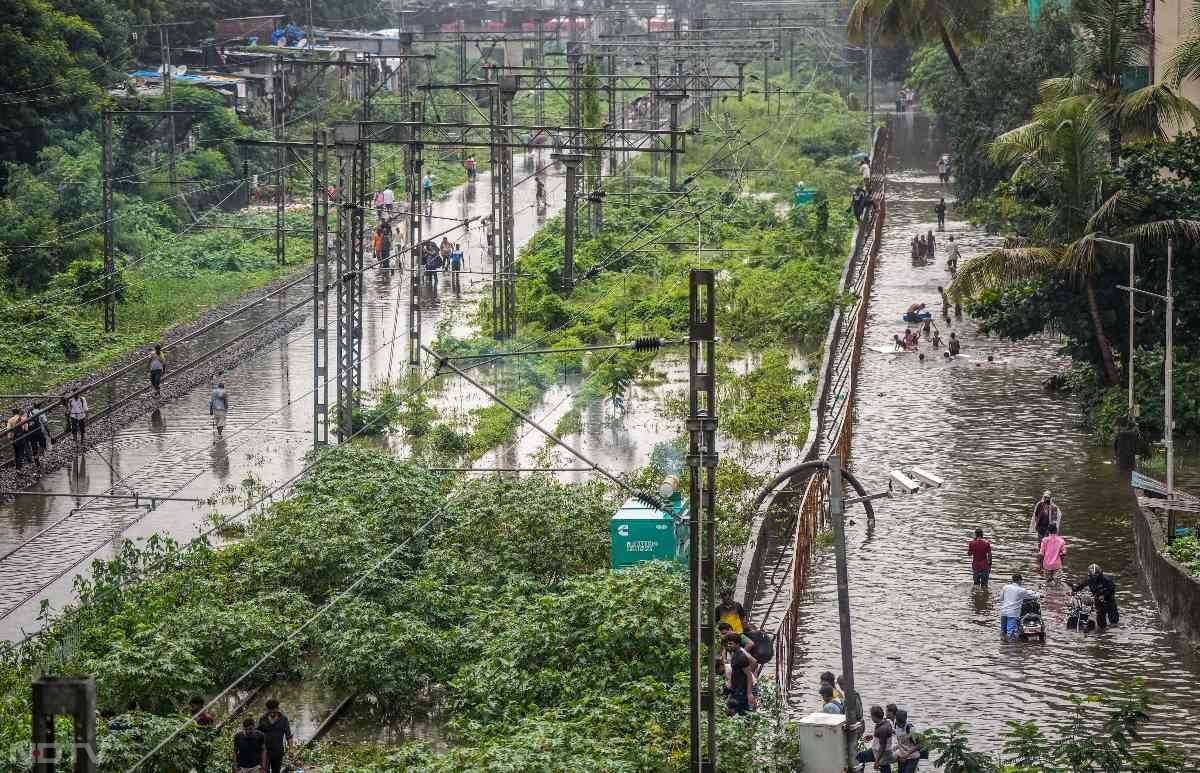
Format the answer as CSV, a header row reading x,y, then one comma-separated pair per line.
x,y
803,195
640,532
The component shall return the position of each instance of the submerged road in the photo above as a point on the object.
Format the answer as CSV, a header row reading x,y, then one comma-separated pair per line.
x,y
922,638
45,542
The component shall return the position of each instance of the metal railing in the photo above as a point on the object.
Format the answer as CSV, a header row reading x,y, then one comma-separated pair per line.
x,y
831,421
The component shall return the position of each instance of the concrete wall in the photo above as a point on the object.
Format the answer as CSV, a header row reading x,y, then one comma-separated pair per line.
x,y
1172,23
1175,590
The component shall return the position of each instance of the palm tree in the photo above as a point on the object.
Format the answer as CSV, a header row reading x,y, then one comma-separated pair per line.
x,y
1185,62
1060,155
1113,37
918,22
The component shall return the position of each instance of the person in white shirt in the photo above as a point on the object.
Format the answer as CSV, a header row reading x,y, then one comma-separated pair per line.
x,y
77,411
865,170
1011,596
389,199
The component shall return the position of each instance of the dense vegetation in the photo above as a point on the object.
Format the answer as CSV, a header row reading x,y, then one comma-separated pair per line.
x,y
489,598
1100,733
1068,154
778,277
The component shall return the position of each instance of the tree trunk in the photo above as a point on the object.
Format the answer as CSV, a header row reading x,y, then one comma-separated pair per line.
x,y
1114,147
952,52
1111,377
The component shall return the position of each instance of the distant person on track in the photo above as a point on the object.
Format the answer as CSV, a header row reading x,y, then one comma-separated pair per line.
x,y
731,612
158,365
471,168
864,170
980,551
249,749
77,413
17,436
218,407
1051,550
456,263
427,188
940,210
39,427
943,169
539,192
274,726
389,199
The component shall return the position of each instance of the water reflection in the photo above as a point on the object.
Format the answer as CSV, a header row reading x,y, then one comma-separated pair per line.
x,y
999,439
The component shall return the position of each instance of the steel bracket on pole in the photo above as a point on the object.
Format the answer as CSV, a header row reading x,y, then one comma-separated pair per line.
x,y
64,696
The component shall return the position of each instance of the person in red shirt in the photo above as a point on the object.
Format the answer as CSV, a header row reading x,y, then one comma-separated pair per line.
x,y
980,551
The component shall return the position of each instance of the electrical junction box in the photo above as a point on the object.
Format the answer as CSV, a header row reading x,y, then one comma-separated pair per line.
x,y
823,742
639,532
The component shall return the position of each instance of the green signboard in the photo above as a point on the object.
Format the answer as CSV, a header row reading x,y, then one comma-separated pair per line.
x,y
642,533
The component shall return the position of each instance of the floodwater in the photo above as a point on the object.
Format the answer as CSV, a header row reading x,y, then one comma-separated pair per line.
x,y
45,542
922,638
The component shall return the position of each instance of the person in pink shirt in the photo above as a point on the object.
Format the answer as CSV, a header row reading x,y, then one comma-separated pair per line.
x,y
1052,550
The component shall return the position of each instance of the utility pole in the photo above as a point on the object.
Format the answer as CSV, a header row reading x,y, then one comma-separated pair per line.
x,y
654,116
702,461
320,286
1169,378
348,152
167,78
278,111
870,83
64,696
106,196
412,177
502,176
837,515
612,106
571,161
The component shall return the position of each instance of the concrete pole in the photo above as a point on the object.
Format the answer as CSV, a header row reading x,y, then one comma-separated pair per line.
x,y
1129,365
838,516
1169,399
106,196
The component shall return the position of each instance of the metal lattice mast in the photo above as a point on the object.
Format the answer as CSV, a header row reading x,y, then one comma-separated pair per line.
x,y
106,194
508,258
412,180
320,286
348,274
279,127
702,460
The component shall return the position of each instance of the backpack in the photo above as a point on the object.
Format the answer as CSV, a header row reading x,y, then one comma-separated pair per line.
x,y
764,648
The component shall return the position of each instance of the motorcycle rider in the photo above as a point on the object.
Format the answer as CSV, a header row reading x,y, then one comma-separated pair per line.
x,y
1104,594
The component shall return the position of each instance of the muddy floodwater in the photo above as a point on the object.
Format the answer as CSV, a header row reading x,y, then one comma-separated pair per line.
x,y
922,638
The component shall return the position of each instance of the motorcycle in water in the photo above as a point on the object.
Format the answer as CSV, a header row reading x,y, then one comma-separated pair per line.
x,y
1029,623
1079,614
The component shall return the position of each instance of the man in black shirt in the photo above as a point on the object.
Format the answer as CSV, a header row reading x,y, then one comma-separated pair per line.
x,y
274,726
741,676
249,749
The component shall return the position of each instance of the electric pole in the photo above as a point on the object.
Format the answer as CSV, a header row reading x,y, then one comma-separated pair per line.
x,y
702,458
106,174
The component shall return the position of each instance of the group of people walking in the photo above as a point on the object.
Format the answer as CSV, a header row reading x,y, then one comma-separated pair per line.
x,y
1046,522
924,246
890,738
